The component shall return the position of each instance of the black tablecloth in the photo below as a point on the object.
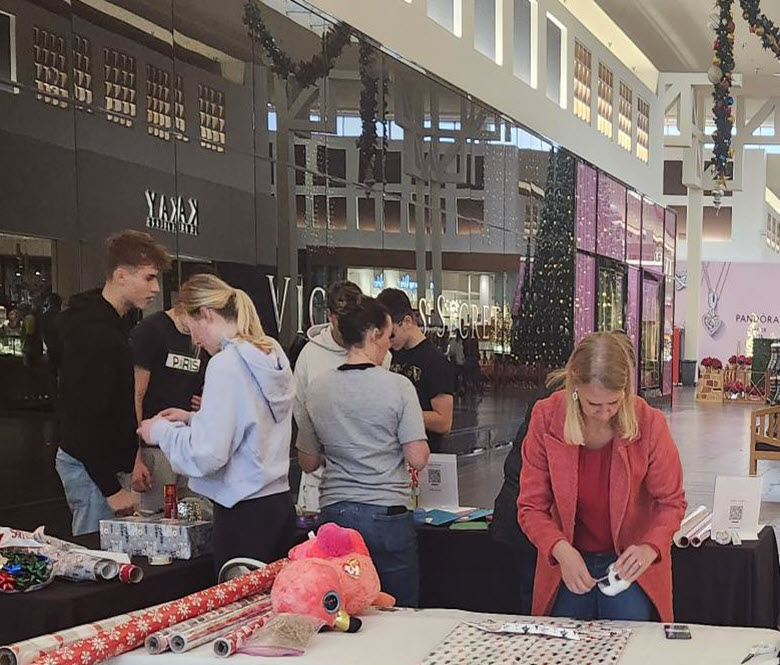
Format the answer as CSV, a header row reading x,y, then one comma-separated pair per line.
x,y
64,604
719,585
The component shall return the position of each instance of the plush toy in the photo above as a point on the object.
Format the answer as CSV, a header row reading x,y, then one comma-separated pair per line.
x,y
330,578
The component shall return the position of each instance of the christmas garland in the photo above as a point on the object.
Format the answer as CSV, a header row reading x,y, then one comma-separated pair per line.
x,y
720,75
306,72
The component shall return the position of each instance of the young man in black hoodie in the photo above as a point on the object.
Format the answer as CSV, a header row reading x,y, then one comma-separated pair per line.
x,y
99,424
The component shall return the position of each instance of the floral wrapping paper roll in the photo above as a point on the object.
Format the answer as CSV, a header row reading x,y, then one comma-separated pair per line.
x,y
128,636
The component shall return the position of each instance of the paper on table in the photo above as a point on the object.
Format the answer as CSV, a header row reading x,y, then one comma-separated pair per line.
x,y
737,505
439,482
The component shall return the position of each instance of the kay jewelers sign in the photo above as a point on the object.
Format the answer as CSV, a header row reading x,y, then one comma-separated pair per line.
x,y
171,213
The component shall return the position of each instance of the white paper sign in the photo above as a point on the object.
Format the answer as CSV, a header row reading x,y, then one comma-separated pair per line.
x,y
737,504
439,482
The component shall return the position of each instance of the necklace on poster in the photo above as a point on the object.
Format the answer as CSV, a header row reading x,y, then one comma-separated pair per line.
x,y
711,320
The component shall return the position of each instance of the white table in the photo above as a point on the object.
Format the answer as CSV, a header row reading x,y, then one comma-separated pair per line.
x,y
406,637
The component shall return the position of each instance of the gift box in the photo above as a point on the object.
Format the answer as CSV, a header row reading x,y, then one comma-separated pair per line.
x,y
150,536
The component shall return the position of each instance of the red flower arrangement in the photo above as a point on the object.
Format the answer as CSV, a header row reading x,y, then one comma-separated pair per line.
x,y
741,360
711,363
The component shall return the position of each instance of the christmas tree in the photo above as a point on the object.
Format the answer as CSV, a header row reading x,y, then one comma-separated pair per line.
x,y
545,325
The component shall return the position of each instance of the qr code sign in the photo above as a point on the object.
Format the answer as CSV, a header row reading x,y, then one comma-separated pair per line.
x,y
735,512
434,476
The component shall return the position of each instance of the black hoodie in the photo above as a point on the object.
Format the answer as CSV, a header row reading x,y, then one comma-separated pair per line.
x,y
97,387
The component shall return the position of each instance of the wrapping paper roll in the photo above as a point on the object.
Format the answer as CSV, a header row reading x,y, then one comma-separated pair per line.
x,y
183,641
24,653
130,574
231,642
702,532
79,567
160,641
130,635
690,524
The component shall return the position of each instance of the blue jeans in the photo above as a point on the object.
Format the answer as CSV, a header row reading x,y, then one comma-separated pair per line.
x,y
392,542
86,502
631,605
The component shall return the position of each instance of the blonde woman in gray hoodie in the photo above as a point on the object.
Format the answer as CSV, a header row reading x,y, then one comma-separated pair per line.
x,y
236,448
324,351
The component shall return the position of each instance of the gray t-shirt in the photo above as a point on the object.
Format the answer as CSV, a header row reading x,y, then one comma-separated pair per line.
x,y
359,417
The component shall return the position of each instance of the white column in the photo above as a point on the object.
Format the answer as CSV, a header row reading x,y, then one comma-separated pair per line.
x,y
693,290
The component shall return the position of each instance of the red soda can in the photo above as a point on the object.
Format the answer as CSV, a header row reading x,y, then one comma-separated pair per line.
x,y
171,501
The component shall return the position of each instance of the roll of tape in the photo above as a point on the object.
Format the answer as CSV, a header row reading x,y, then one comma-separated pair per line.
x,y
160,559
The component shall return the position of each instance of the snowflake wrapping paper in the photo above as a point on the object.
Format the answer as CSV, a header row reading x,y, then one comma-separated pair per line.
x,y
130,635
600,643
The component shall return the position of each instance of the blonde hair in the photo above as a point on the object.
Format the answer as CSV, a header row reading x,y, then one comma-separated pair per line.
x,y
606,358
231,304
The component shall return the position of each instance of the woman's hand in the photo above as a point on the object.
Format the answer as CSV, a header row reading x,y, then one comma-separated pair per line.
x,y
175,415
574,572
145,430
635,561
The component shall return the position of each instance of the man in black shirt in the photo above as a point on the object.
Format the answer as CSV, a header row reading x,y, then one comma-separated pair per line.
x,y
415,356
169,373
99,440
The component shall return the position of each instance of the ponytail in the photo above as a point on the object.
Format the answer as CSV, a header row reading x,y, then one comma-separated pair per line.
x,y
234,305
248,323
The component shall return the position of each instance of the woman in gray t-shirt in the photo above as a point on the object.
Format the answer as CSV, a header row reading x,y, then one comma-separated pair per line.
x,y
365,424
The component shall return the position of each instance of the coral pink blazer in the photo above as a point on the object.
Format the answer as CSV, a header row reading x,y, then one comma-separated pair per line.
x,y
646,497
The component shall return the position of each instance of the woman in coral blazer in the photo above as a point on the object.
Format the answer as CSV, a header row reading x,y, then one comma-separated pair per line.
x,y
601,483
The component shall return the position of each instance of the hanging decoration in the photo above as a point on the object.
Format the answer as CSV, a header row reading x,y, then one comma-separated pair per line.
x,y
370,97
720,75
308,72
305,72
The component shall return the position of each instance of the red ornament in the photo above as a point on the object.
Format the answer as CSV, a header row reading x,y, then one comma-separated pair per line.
x,y
730,26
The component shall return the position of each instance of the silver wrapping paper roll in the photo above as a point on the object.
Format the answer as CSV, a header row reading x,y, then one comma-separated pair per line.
x,y
161,640
702,533
689,525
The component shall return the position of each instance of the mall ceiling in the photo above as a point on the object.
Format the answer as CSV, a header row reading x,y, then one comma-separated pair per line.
x,y
675,35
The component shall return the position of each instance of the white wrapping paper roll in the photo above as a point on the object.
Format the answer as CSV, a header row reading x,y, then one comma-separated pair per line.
x,y
701,534
689,525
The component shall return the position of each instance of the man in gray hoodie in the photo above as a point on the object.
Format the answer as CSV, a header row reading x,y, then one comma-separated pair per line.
x,y
324,351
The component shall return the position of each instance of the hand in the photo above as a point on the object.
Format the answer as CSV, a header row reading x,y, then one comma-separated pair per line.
x,y
635,561
145,430
573,569
141,478
195,402
122,503
176,415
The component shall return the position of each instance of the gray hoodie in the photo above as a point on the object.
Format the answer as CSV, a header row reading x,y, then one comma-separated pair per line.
x,y
237,446
321,353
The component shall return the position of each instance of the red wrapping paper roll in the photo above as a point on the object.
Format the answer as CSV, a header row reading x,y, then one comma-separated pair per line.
x,y
130,574
131,635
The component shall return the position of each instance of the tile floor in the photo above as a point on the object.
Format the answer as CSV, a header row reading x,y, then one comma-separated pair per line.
x,y
712,439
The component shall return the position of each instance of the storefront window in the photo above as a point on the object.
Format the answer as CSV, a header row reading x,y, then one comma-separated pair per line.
x,y
611,295
611,218
652,236
670,234
632,310
651,331
586,207
634,229
584,296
